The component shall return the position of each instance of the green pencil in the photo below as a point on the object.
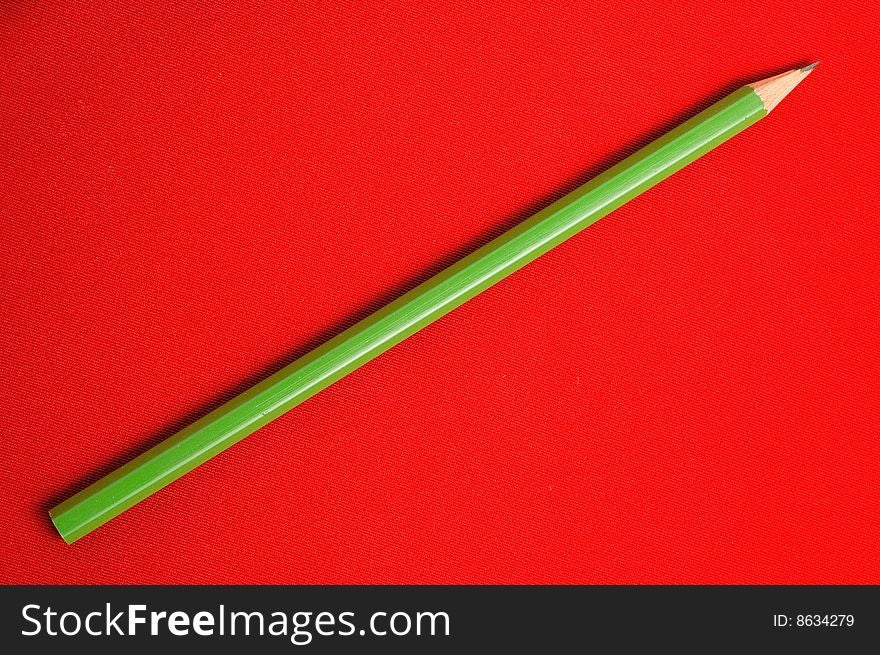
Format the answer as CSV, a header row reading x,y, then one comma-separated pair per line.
x,y
228,424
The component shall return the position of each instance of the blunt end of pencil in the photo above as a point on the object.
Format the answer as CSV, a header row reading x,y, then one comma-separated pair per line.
x,y
58,522
772,90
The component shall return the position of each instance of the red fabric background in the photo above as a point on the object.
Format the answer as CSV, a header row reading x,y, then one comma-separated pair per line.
x,y
687,392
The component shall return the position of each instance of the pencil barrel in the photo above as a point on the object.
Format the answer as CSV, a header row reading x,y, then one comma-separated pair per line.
x,y
231,422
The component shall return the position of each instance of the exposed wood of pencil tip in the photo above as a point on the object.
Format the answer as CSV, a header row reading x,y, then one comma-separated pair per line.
x,y
772,90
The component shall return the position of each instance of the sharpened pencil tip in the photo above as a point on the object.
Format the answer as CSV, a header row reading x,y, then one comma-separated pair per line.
x,y
774,89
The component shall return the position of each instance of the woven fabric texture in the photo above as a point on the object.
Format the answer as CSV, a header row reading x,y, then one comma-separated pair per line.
x,y
191,194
